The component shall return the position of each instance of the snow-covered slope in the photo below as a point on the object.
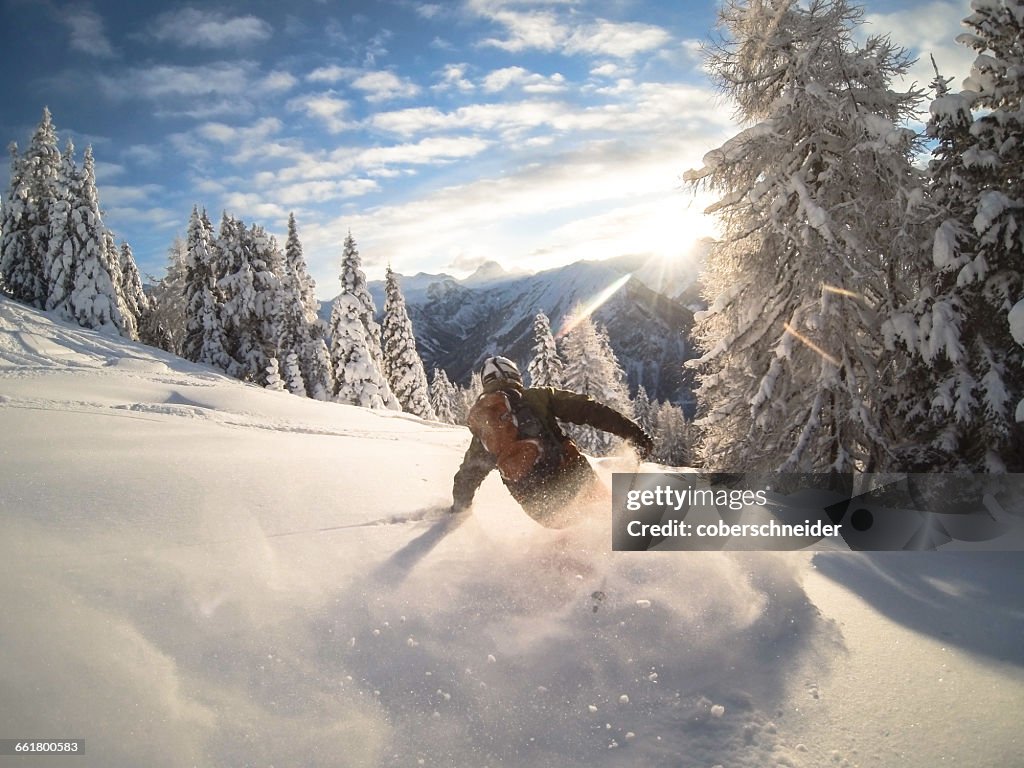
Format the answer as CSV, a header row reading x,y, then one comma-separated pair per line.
x,y
194,571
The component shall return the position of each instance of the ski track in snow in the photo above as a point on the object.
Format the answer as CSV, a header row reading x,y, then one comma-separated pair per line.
x,y
200,572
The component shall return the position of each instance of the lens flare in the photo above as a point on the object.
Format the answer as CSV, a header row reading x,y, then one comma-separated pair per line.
x,y
790,329
591,306
842,292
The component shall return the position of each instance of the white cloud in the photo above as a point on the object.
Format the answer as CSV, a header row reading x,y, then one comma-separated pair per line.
x,y
384,86
538,30
600,184
331,74
325,107
87,34
928,29
158,82
545,30
454,76
278,82
478,117
530,82
607,69
251,206
378,85
428,151
245,144
228,134
645,107
621,40
195,28
322,191
429,10
142,154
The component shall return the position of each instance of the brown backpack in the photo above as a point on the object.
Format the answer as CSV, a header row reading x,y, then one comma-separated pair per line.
x,y
523,445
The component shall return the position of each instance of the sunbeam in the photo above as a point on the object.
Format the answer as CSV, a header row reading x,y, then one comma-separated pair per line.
x,y
591,306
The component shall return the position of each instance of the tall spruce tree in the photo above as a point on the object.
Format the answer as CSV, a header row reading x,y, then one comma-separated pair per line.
x,y
992,281
644,410
671,435
250,289
403,366
545,367
25,244
591,368
204,340
12,234
355,339
165,323
305,286
959,325
61,259
313,355
85,269
129,286
821,230
443,397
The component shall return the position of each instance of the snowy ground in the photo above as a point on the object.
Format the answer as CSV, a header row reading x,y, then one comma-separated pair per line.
x,y
198,572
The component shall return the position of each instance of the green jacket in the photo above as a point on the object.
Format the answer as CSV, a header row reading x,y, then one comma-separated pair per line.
x,y
541,494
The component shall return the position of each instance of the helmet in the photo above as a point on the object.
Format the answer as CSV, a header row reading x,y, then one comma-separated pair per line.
x,y
500,370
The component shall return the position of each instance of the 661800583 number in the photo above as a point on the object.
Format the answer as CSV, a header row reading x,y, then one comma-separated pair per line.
x,y
27,747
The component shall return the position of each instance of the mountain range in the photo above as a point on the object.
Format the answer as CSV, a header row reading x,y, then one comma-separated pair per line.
x,y
458,323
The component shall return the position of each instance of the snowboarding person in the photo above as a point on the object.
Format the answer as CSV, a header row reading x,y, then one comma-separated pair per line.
x,y
515,430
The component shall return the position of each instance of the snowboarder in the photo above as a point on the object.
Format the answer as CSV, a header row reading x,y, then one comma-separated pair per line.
x,y
515,430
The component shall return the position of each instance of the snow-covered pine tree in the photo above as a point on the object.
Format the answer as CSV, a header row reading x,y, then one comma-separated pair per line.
x,y
820,207
12,236
671,435
960,324
355,339
318,371
403,366
992,281
85,272
97,300
304,332
443,396
304,283
250,290
128,284
25,243
204,340
164,324
644,410
545,367
60,258
591,368
313,355
283,309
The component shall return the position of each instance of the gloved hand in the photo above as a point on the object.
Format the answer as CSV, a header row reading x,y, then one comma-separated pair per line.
x,y
643,444
459,507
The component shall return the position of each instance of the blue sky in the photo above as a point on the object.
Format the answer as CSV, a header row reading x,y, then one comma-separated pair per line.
x,y
442,134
